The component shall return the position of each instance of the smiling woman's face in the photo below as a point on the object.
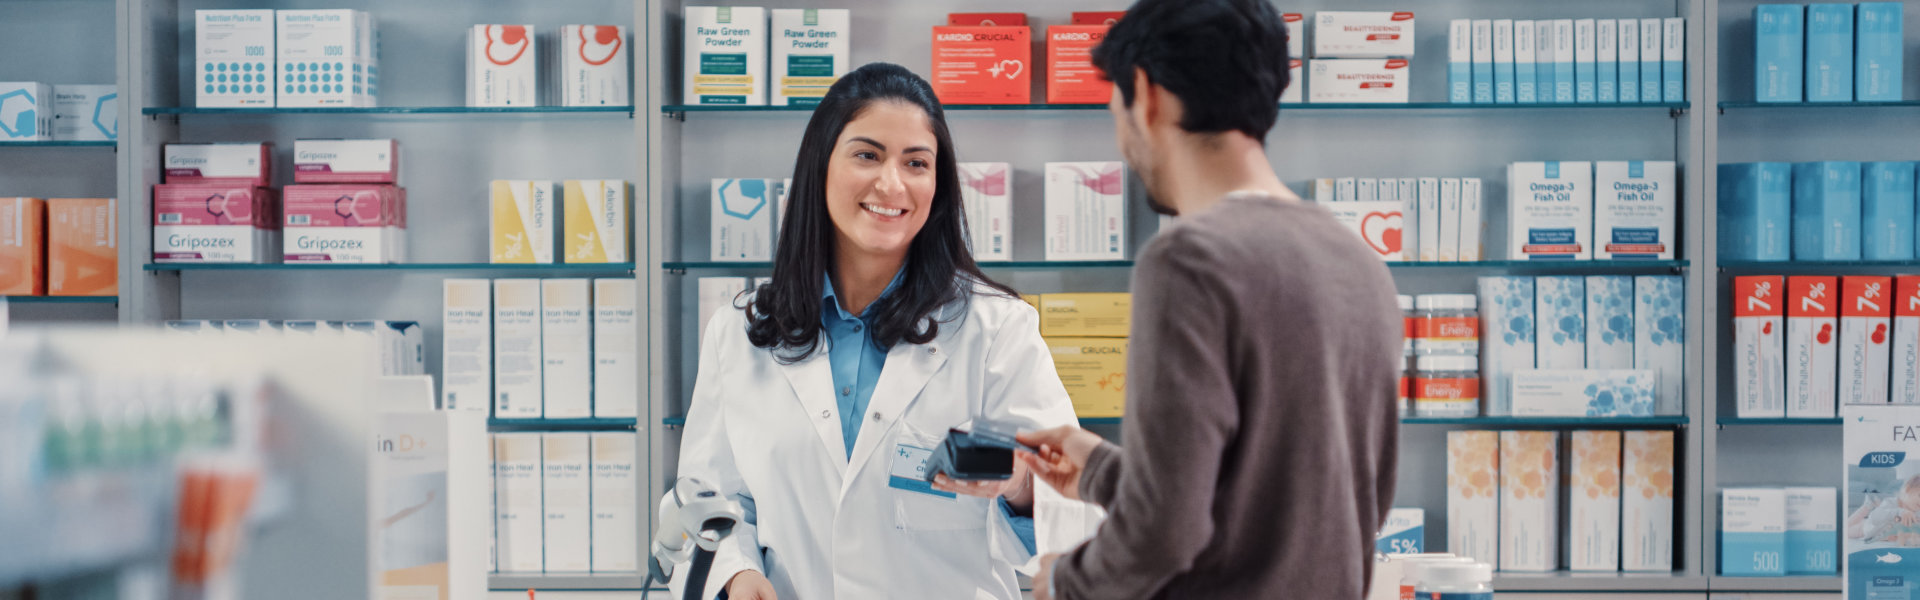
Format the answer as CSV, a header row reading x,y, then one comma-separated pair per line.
x,y
880,181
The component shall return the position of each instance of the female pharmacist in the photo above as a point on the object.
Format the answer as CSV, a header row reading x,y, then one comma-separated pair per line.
x,y
819,397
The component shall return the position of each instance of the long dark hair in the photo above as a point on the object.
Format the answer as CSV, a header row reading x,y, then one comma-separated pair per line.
x,y
784,314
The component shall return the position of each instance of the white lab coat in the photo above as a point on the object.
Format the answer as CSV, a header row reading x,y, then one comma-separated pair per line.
x,y
825,527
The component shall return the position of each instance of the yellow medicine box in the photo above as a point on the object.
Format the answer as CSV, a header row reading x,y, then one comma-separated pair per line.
x,y
1094,370
1085,315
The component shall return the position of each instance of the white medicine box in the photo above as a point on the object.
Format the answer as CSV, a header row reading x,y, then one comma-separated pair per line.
x,y
1363,34
325,58
502,66
742,219
1550,211
1086,211
88,113
593,66
1358,80
233,58
26,112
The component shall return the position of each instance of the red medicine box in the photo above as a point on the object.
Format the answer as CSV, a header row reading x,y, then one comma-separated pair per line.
x,y
1071,76
983,65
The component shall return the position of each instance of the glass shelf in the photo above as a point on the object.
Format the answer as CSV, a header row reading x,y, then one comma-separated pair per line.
x,y
1790,583
580,582
622,424
1595,422
1894,104
537,268
58,144
1740,421
1797,266
392,110
1583,266
61,299
1407,106
1618,582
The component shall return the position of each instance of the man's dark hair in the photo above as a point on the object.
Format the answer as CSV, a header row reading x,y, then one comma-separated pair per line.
x,y
1225,59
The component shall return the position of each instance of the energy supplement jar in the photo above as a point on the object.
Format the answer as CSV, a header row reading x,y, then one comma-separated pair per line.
x,y
1446,386
1456,581
1446,324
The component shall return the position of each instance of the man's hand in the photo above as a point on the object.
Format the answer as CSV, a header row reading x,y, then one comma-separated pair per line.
x,y
750,585
1061,457
1043,580
1017,489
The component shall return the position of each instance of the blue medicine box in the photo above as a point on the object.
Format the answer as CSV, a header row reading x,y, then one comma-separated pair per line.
x,y
1779,56
1756,211
1877,52
1826,211
1886,211
1829,53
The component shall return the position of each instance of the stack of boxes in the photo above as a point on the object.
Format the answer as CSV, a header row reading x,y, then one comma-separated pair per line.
x,y
1609,210
1595,346
589,63
564,503
1849,340
1503,499
1828,52
592,225
286,58
1424,219
541,349
1087,334
727,50
59,247
37,112
399,346
216,206
1566,61
1820,211
1767,531
1361,57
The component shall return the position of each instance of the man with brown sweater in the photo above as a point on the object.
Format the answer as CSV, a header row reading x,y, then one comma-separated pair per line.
x,y
1261,434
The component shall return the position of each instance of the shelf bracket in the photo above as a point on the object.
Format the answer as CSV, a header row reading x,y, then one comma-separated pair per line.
x,y
1675,113
678,116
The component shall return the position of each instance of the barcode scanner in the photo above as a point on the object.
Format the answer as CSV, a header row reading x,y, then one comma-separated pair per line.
x,y
984,454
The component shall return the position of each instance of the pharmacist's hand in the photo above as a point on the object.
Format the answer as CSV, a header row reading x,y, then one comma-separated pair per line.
x,y
750,585
1061,456
1017,489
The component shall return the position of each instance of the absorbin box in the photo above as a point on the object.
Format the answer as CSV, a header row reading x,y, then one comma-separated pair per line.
x,y
522,222
598,218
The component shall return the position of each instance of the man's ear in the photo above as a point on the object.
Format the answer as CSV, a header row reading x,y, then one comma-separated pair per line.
x,y
1146,100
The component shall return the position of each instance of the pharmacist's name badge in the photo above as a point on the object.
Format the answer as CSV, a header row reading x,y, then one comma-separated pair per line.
x,y
910,471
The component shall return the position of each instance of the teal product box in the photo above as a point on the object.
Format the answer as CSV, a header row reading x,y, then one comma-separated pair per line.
x,y
1753,532
1506,340
1606,61
1826,211
1886,211
1405,532
1650,31
1812,530
1525,78
1829,74
1543,59
1584,54
1660,337
1779,52
1756,211
1503,62
1673,60
1629,60
1483,61
1564,79
1460,61
1878,46
1879,445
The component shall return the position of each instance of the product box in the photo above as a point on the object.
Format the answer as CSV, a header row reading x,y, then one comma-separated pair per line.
x,y
1294,22
982,64
1830,49
1610,322
249,165
1472,221
1826,211
1481,31
1585,71
1503,61
1525,77
1110,17
1473,494
503,64
1659,336
1449,219
517,385
466,351
566,502
346,161
598,215
809,53
518,518
1543,59
1779,57
566,344
717,294
1629,48
84,113
742,225
399,346
1886,211
1673,60
1405,532
1407,189
1906,341
344,223
1350,34
1651,64
1878,47
1813,535
257,329
329,55
1506,338
987,19
726,55
593,66
1460,61
1296,81
1646,501
430,490
986,192
1560,304
196,328
1086,211
1812,350
233,58
1358,80
1583,393
313,329
199,223
616,515
1756,211
1346,189
1094,371
1429,238
1566,77
1376,222
616,348
1366,189
1550,211
1877,558
23,248
83,255
1085,315
1071,76
522,225
1753,531
1606,61
1635,204
1593,503
1529,500
1866,313
1758,346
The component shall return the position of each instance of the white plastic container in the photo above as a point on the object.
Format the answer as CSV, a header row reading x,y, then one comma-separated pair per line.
x,y
1414,574
1457,581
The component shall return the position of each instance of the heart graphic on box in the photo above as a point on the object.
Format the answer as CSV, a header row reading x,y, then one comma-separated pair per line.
x,y
1009,68
1383,231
